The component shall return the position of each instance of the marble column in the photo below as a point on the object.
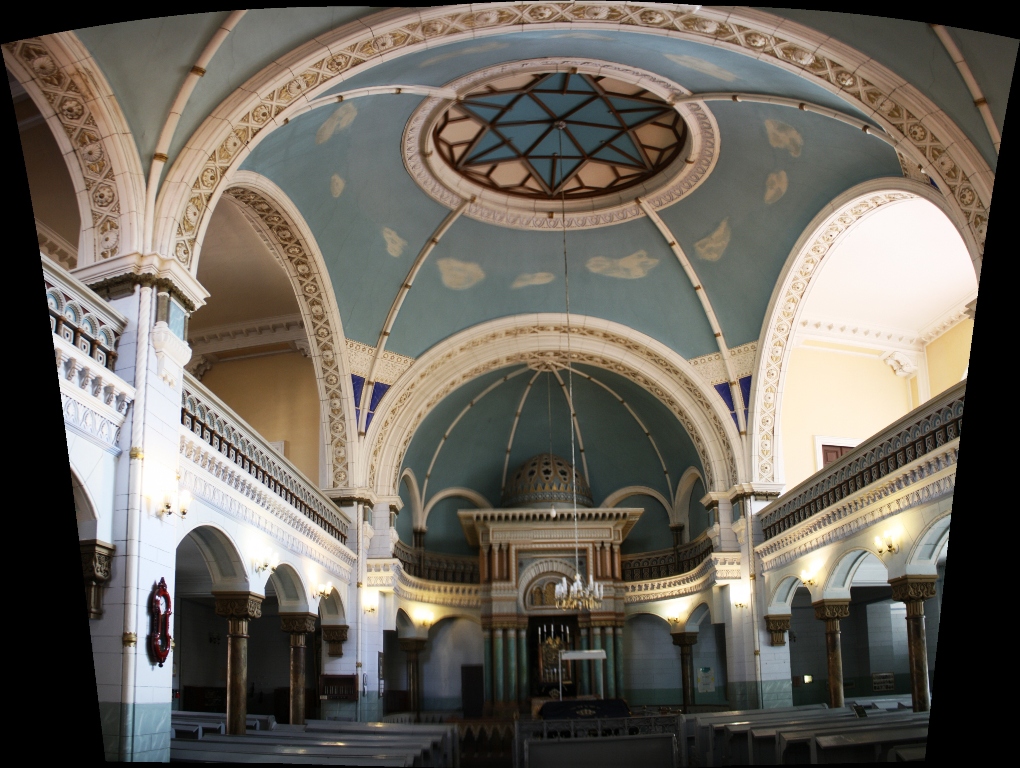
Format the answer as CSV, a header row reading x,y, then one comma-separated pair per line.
x,y
596,644
913,591
831,611
686,641
413,646
608,644
618,643
499,692
511,664
238,608
523,688
298,625
487,666
584,686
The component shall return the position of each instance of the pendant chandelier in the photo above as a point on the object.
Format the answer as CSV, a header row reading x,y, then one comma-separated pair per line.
x,y
574,596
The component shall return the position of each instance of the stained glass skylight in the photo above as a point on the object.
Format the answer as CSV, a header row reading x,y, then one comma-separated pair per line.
x,y
548,135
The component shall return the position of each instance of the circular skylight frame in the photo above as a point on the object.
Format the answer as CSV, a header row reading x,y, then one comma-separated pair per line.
x,y
684,173
544,135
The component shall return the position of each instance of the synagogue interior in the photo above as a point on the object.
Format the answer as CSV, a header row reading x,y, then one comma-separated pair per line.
x,y
462,365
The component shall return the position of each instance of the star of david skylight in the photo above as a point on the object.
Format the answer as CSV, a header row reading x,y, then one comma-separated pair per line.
x,y
559,135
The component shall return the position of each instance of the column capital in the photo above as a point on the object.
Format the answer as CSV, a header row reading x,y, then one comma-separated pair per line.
x,y
118,276
298,623
238,605
778,625
96,564
909,589
684,639
335,636
831,609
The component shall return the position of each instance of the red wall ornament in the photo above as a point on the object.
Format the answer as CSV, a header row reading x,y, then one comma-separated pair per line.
x,y
159,640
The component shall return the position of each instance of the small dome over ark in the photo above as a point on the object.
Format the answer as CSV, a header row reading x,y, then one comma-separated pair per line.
x,y
546,479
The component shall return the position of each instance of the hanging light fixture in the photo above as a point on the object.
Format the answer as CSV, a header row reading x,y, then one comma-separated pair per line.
x,y
577,595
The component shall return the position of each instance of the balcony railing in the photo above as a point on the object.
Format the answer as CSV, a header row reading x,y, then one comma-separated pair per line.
x,y
81,318
667,562
213,422
432,566
922,431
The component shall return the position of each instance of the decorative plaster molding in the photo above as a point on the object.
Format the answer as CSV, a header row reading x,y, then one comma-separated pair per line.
x,y
172,353
901,363
713,371
231,336
391,366
56,247
435,592
719,566
93,399
926,479
872,337
948,321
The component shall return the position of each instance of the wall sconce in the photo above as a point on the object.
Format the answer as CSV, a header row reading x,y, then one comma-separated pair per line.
x,y
887,542
741,595
810,579
323,590
174,501
266,562
423,617
740,603
370,601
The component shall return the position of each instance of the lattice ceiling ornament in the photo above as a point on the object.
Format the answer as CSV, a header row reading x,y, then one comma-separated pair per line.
x,y
507,135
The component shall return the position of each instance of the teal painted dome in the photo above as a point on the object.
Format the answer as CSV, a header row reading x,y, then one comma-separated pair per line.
x,y
546,479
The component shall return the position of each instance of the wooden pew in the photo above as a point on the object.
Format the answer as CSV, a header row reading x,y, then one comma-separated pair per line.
x,y
797,745
423,745
252,722
191,729
238,749
658,749
867,745
761,737
710,732
448,735
915,754
691,724
733,745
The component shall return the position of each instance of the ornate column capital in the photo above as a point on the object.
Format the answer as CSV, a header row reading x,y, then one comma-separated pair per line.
x,y
335,636
96,565
298,623
685,639
238,605
778,625
831,611
908,589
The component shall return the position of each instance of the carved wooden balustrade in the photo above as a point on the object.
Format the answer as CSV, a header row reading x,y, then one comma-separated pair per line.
x,y
433,566
80,317
227,434
667,562
923,430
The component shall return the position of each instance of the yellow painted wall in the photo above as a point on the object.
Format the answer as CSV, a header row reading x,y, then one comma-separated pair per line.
x,y
837,395
948,356
277,396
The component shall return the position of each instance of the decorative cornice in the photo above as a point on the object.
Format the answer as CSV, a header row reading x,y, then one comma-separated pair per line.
x,y
118,277
391,365
56,247
927,479
717,567
238,605
93,399
435,592
231,336
857,334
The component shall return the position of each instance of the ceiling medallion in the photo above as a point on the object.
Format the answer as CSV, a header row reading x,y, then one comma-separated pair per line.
x,y
535,142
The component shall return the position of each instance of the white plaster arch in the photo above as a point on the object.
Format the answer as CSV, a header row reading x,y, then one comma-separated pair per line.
x,y
291,591
285,89
836,585
465,493
331,609
540,569
697,617
622,494
542,338
222,557
85,511
781,601
826,230
410,482
681,510
270,209
72,94
929,543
